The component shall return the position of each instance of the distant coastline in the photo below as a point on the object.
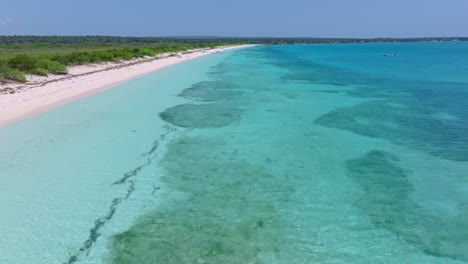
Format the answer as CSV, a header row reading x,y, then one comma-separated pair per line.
x,y
194,40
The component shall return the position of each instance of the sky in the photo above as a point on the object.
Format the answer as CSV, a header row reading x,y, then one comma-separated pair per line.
x,y
240,18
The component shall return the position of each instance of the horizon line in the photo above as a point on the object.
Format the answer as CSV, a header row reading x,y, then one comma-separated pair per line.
x,y
241,37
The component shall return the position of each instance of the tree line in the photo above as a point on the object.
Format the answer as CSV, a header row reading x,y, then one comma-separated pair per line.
x,y
199,40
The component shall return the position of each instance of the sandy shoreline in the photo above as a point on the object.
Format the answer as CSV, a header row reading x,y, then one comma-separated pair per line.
x,y
44,94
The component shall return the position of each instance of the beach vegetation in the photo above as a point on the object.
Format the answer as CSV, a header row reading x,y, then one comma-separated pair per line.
x,y
51,66
101,56
39,72
62,59
122,54
22,63
142,52
78,58
43,55
7,73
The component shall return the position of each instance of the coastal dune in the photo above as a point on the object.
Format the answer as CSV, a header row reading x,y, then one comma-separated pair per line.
x,y
51,92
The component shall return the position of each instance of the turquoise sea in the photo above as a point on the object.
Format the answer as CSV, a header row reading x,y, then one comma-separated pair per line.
x,y
267,154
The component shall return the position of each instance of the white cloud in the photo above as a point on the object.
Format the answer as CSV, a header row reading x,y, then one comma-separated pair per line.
x,y
5,20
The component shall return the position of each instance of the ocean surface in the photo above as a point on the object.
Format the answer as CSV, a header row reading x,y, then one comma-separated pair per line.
x,y
268,154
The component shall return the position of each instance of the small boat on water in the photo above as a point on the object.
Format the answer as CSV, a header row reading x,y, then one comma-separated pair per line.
x,y
389,55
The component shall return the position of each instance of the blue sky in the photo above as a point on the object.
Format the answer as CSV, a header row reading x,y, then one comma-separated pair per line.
x,y
282,18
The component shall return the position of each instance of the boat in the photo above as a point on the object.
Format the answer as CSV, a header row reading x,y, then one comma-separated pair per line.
x,y
389,55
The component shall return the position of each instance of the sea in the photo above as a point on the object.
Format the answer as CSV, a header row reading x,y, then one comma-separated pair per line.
x,y
297,154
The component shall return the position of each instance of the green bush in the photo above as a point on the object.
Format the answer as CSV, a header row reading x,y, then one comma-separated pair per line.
x,y
54,67
93,58
22,63
39,71
7,73
125,54
98,56
170,49
142,52
82,57
61,59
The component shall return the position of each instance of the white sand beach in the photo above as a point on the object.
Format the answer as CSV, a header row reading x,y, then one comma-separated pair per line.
x,y
40,94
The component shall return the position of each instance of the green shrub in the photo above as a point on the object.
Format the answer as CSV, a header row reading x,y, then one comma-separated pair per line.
x,y
54,67
39,71
22,62
122,54
183,48
93,58
142,52
170,49
7,73
97,56
61,59
82,57
126,55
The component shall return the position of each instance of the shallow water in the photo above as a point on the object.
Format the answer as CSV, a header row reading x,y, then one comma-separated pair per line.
x,y
302,154
72,177
316,154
